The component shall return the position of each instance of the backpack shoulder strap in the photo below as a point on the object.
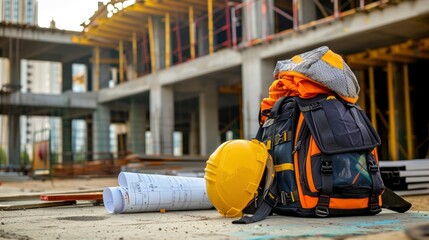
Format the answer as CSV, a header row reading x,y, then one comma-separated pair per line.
x,y
269,197
394,202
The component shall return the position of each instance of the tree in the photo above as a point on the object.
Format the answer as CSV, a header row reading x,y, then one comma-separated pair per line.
x,y
25,159
3,156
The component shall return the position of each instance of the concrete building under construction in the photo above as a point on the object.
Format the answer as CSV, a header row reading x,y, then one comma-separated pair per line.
x,y
178,77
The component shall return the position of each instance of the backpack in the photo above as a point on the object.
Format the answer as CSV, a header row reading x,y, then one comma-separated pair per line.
x,y
324,153
323,147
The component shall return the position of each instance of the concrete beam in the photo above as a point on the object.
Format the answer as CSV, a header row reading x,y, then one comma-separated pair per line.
x,y
37,34
126,89
210,64
69,100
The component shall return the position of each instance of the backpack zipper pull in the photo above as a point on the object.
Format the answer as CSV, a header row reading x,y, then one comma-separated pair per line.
x,y
297,147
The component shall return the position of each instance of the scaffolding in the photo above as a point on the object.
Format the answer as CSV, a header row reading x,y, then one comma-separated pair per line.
x,y
145,37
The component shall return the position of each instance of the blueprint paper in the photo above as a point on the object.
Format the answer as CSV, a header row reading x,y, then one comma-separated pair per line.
x,y
138,192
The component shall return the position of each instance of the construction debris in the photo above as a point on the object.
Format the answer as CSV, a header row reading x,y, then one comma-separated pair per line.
x,y
407,177
22,205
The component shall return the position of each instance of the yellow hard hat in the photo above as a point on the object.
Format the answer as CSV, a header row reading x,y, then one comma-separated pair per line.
x,y
233,174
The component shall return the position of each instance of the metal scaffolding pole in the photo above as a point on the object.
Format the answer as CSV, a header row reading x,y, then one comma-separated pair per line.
x,y
191,32
121,61
393,148
135,54
97,69
210,23
167,41
373,106
152,45
410,150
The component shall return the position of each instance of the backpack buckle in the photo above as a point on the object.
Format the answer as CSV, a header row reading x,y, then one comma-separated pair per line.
x,y
297,147
322,211
286,198
270,198
374,208
314,106
372,166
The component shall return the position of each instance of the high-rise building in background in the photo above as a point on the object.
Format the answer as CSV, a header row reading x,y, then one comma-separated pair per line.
x,y
40,77
36,77
4,131
19,11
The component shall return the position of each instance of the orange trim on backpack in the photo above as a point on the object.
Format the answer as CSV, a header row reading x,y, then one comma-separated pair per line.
x,y
306,201
312,150
295,162
310,202
342,203
375,153
339,203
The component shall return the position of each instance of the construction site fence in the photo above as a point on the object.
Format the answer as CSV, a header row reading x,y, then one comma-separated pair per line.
x,y
99,168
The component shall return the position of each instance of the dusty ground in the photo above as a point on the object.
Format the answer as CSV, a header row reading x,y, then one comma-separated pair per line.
x,y
420,202
85,221
54,185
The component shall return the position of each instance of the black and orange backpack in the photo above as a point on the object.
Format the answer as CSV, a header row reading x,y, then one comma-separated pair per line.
x,y
323,145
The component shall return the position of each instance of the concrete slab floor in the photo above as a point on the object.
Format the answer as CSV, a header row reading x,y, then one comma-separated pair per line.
x,y
87,221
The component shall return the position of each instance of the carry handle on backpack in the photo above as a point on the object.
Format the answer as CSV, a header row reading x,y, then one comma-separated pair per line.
x,y
273,113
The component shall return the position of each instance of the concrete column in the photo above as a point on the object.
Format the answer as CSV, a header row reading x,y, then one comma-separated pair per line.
x,y
258,19
90,78
14,139
193,135
89,137
268,23
159,36
306,11
202,42
162,119
100,79
101,132
137,126
15,64
209,118
67,157
257,76
67,77
105,68
14,123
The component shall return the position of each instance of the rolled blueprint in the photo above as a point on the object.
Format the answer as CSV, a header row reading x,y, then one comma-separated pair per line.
x,y
138,192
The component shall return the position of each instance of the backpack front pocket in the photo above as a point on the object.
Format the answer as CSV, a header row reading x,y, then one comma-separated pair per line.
x,y
349,172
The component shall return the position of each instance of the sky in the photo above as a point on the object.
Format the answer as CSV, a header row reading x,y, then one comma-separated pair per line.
x,y
67,14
